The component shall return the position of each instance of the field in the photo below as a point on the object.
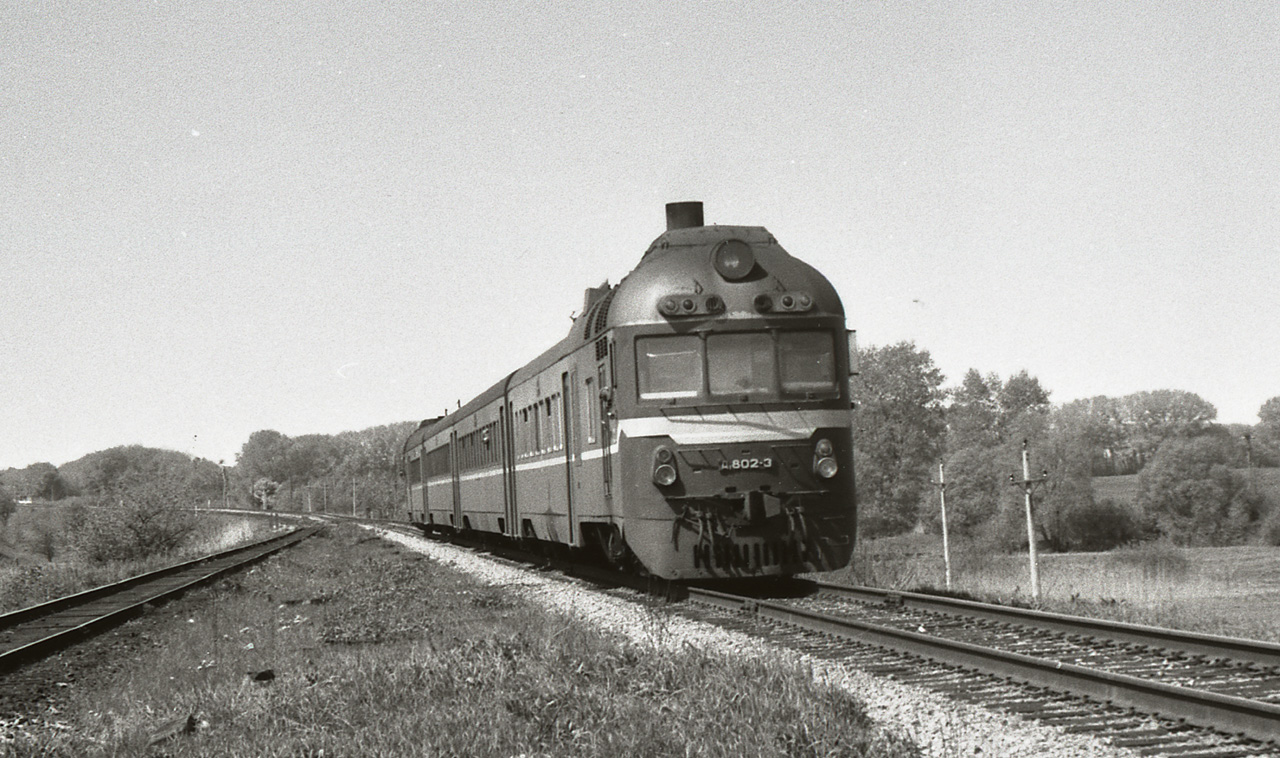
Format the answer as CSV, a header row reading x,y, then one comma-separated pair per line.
x,y
1227,590
347,645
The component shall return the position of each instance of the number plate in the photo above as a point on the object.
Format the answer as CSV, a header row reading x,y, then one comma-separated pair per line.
x,y
746,464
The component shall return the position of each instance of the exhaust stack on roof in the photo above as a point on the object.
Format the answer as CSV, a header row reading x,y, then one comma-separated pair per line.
x,y
683,215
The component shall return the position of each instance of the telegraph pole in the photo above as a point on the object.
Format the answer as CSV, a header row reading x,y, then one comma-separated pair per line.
x,y
946,545
1027,484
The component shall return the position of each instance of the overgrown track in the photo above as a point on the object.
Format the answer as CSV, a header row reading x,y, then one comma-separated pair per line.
x,y
1228,686
27,635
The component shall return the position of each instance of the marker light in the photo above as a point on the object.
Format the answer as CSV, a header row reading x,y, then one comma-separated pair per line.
x,y
823,448
763,303
733,259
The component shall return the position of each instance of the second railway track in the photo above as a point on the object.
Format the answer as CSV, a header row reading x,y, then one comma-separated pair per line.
x,y
31,633
1225,686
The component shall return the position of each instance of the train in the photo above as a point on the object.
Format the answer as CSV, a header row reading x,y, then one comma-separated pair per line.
x,y
694,424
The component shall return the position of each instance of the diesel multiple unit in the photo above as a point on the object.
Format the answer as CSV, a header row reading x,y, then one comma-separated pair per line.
x,y
695,422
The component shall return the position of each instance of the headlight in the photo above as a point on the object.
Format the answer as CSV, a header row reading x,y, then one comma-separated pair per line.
x,y
823,449
827,467
664,475
664,467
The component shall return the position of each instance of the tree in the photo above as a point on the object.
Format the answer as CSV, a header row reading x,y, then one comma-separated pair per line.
x,y
265,455
1153,417
898,433
1020,395
1190,493
973,412
1269,417
7,507
262,491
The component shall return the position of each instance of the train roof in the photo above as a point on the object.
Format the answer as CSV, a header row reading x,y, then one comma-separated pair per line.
x,y
679,261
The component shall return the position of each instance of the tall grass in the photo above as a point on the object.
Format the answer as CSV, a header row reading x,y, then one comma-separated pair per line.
x,y
1233,590
29,578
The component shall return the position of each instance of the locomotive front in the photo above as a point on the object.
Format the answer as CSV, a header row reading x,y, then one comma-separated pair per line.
x,y
735,456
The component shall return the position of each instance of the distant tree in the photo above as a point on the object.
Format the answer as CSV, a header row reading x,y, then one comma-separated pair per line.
x,y
973,414
898,433
8,506
1190,493
1096,424
1268,429
265,455
263,490
1019,396
1153,417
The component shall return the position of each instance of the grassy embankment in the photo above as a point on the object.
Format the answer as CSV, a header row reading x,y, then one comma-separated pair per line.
x,y
376,651
38,562
1222,590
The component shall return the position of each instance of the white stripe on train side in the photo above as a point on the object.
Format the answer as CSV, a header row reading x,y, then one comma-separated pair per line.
x,y
696,429
724,428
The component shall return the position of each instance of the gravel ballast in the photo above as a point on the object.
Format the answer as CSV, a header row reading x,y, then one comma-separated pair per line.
x,y
940,727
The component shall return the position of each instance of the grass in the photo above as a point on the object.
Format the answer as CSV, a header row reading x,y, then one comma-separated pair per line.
x,y
1226,590
375,651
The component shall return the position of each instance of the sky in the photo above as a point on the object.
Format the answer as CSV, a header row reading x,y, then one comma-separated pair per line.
x,y
317,216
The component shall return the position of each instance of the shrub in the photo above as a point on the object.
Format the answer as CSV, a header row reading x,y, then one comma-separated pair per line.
x,y
145,520
1271,530
1099,525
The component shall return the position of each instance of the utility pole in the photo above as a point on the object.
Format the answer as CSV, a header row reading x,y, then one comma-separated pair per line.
x,y
1027,484
946,545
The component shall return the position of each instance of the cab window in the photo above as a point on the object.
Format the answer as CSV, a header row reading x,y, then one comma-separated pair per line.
x,y
669,366
740,364
807,362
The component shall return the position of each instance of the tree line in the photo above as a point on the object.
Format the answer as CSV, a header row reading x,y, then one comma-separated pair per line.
x,y
1191,489
354,471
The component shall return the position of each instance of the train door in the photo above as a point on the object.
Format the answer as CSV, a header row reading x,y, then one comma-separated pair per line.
x,y
457,482
570,459
604,399
506,435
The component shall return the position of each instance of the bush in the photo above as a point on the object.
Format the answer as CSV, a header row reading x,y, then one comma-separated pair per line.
x,y
1271,530
1099,525
145,520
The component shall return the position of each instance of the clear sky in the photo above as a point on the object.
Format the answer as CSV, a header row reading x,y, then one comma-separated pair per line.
x,y
317,216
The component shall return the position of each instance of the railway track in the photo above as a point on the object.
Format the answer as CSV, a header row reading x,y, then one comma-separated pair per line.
x,y
29,634
1158,691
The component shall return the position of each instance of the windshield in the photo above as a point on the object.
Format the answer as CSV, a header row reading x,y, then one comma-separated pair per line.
x,y
740,365
669,366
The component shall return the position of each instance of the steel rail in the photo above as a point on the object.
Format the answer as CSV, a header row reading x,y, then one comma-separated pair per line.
x,y
1235,648
1256,719
214,565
